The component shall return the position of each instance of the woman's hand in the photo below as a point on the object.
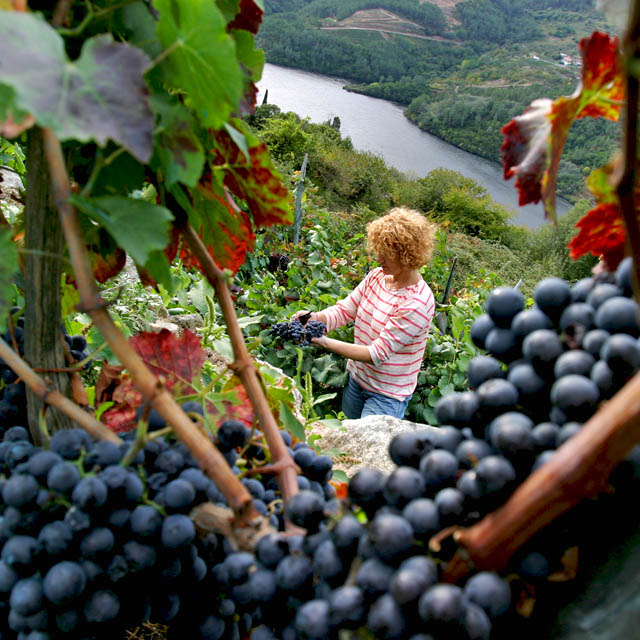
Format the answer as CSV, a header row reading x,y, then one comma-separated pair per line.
x,y
302,312
322,341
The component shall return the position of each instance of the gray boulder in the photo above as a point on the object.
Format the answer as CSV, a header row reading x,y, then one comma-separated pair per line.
x,y
363,442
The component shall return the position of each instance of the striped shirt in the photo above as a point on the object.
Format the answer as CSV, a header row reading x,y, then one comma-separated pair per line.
x,y
394,324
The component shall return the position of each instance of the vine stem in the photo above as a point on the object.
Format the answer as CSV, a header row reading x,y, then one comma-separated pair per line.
x,y
54,397
208,457
243,364
626,186
579,469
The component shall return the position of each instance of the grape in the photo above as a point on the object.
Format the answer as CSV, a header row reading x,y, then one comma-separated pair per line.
x,y
578,316
102,606
490,592
552,295
442,608
26,596
602,292
407,448
306,509
422,514
542,348
391,537
476,623
581,289
618,315
483,368
346,607
373,578
312,620
624,276
576,395
528,321
574,361
64,582
480,329
385,618
403,485
439,469
177,531
232,434
503,303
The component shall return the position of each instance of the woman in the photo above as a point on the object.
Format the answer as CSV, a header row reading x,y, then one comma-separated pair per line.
x,y
392,309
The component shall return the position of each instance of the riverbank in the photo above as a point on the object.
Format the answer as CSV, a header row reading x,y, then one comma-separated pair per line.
x,y
381,127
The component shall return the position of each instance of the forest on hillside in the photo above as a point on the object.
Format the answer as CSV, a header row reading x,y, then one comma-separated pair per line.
x,y
483,69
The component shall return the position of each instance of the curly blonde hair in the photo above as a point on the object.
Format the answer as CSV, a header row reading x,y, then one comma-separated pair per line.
x,y
404,235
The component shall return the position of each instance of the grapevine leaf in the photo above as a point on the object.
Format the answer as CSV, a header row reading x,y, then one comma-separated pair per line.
x,y
601,232
13,121
254,180
601,185
106,257
177,359
339,476
534,140
236,404
291,423
200,61
249,17
101,96
177,148
120,419
139,227
108,380
224,229
251,59
8,267
229,8
124,174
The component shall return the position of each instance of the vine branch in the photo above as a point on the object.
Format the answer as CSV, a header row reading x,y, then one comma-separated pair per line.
x,y
208,457
626,186
243,364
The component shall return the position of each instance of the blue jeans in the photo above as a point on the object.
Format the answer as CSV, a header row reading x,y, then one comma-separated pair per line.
x,y
359,403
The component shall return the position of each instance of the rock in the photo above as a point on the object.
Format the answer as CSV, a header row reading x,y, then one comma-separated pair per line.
x,y
363,442
159,325
188,320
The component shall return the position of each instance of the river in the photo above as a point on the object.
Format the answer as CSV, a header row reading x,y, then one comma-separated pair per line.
x,y
380,127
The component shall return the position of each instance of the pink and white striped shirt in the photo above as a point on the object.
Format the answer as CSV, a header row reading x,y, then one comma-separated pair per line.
x,y
394,324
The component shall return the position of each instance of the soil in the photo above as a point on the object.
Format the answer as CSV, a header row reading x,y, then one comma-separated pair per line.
x,y
383,21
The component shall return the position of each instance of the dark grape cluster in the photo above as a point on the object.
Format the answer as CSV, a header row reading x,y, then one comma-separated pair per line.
x,y
297,332
278,262
89,548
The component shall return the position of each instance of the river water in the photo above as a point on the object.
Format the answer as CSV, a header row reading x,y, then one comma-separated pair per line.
x,y
380,126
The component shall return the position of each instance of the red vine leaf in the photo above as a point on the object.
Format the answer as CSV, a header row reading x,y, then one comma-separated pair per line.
x,y
253,179
534,140
106,265
224,228
120,419
238,408
249,17
601,232
177,359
